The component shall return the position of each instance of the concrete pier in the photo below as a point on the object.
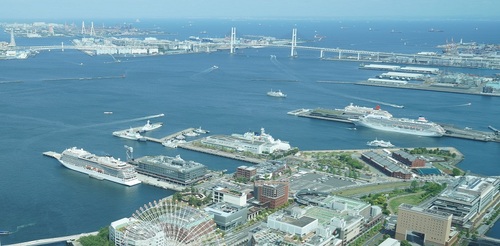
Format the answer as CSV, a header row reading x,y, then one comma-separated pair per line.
x,y
451,131
234,156
54,240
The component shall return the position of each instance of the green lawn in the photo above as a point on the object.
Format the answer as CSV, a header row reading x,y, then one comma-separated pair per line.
x,y
375,188
412,199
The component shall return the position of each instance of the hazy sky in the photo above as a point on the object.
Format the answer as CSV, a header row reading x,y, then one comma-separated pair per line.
x,y
132,9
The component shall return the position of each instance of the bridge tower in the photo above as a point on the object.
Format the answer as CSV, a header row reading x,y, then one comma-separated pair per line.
x,y
83,28
12,40
92,31
233,39
293,52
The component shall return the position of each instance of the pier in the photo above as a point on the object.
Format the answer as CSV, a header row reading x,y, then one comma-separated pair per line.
x,y
55,240
451,130
235,156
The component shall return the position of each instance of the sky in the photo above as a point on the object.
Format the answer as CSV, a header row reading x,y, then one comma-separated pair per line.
x,y
254,9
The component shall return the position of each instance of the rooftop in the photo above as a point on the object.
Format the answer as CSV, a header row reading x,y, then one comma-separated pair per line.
x,y
434,213
170,162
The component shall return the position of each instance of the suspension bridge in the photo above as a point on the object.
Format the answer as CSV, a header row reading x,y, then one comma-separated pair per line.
x,y
325,53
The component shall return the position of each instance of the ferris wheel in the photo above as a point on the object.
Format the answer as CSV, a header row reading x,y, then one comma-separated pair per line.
x,y
171,223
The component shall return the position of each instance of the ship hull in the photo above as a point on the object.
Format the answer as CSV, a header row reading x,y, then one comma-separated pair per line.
x,y
381,127
100,176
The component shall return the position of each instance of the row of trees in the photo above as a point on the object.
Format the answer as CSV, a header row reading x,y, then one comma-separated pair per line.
x,y
436,151
102,238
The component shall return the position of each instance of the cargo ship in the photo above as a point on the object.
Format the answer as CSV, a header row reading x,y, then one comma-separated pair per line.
x,y
99,167
419,127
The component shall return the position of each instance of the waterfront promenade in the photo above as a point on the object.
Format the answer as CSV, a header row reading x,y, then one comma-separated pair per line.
x,y
54,240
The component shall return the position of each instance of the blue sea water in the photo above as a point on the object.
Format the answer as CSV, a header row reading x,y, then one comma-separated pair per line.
x,y
39,198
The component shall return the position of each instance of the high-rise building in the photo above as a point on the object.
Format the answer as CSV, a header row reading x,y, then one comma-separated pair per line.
x,y
272,194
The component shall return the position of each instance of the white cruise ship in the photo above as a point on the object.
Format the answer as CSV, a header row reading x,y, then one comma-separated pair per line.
x,y
358,110
420,127
99,167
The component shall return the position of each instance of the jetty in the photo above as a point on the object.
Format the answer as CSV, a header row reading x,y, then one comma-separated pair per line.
x,y
55,239
451,130
235,156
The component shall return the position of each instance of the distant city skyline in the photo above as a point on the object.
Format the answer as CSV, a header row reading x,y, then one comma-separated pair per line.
x,y
321,9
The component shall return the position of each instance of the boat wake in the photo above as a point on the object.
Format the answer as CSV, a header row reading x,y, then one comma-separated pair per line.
x,y
456,105
206,71
18,228
283,68
136,119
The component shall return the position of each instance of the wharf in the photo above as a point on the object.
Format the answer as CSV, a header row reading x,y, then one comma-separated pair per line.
x,y
152,139
409,86
465,133
322,114
55,240
451,131
190,146
171,136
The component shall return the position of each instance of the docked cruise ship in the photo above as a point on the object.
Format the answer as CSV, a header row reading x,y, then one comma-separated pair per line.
x,y
420,127
99,167
352,109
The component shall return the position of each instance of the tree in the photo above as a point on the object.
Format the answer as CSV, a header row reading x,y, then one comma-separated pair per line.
x,y
414,185
405,243
456,172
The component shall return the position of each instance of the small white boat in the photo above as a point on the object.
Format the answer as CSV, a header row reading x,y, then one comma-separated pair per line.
x,y
201,131
191,134
380,143
170,144
108,112
149,127
130,134
276,93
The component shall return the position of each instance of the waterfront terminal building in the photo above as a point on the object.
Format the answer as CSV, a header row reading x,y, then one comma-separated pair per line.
x,y
256,143
467,198
171,169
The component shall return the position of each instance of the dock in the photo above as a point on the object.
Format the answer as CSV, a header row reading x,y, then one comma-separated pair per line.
x,y
496,131
171,136
54,240
235,156
451,130
467,133
322,114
